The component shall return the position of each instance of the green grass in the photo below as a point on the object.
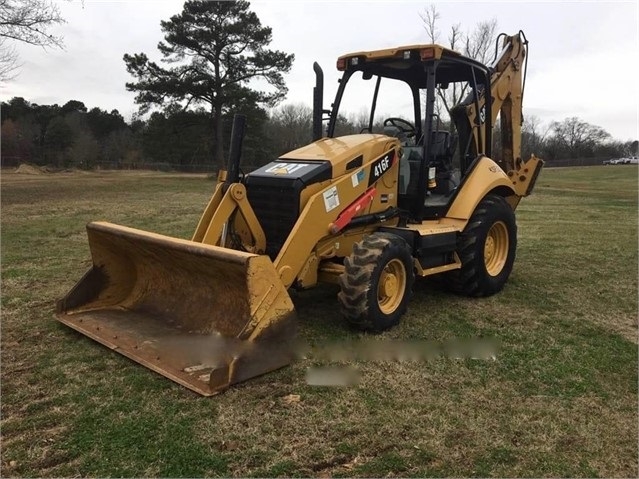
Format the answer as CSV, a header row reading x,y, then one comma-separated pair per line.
x,y
559,400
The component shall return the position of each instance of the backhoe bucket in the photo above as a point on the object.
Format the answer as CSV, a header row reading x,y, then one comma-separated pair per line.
x,y
204,316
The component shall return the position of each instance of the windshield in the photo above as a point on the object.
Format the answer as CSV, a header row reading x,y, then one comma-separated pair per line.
x,y
394,100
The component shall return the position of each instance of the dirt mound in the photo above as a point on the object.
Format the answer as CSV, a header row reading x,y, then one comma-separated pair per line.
x,y
27,169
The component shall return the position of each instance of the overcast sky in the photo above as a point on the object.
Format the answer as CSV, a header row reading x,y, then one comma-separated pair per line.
x,y
583,61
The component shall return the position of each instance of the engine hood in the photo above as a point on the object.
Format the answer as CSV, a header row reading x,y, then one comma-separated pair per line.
x,y
345,152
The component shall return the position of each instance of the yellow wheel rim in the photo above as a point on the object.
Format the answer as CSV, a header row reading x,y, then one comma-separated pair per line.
x,y
391,286
496,248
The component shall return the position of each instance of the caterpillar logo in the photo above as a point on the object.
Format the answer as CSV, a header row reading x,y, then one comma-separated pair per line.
x,y
285,168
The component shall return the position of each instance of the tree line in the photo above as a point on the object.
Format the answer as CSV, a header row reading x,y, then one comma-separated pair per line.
x,y
211,55
569,139
74,136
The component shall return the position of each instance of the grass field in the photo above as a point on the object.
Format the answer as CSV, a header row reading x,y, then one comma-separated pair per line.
x,y
559,400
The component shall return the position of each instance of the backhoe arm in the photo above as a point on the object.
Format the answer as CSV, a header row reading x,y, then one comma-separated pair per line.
x,y
507,93
506,89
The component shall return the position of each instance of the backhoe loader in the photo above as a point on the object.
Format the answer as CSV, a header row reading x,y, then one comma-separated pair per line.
x,y
369,210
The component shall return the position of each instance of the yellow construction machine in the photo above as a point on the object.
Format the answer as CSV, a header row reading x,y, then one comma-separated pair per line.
x,y
369,210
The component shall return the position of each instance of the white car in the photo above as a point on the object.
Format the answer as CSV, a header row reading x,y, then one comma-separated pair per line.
x,y
622,161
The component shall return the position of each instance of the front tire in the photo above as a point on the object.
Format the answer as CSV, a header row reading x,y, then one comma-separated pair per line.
x,y
486,249
377,283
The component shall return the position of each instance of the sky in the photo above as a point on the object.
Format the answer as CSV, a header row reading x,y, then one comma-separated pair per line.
x,y
583,55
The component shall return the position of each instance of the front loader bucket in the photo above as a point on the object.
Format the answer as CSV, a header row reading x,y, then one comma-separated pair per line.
x,y
204,316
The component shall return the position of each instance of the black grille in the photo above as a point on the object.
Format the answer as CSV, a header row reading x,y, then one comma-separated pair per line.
x,y
277,209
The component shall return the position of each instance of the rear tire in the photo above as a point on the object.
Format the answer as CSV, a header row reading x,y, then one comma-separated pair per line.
x,y
377,283
486,249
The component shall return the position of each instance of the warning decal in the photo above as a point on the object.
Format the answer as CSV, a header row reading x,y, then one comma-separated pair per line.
x,y
331,199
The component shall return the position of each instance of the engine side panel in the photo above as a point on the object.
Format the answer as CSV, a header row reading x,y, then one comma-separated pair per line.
x,y
279,191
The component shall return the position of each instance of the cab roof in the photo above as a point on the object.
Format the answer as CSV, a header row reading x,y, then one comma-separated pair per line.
x,y
398,52
408,62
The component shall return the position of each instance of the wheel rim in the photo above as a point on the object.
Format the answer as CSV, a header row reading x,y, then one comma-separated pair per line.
x,y
391,286
496,248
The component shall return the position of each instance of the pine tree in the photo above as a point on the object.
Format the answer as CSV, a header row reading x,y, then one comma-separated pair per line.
x,y
212,51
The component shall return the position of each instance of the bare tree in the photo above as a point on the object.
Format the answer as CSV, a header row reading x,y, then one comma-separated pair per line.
x,y
479,42
577,136
429,18
9,61
290,126
476,43
533,135
27,21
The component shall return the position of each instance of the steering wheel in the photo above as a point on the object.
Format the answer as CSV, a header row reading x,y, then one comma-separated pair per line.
x,y
404,125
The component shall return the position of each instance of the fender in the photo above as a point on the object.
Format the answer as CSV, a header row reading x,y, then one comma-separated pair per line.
x,y
485,177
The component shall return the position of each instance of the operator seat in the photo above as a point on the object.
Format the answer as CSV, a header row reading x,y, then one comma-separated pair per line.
x,y
443,148
441,157
439,146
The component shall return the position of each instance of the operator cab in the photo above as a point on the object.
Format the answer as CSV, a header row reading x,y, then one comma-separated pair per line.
x,y
426,96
